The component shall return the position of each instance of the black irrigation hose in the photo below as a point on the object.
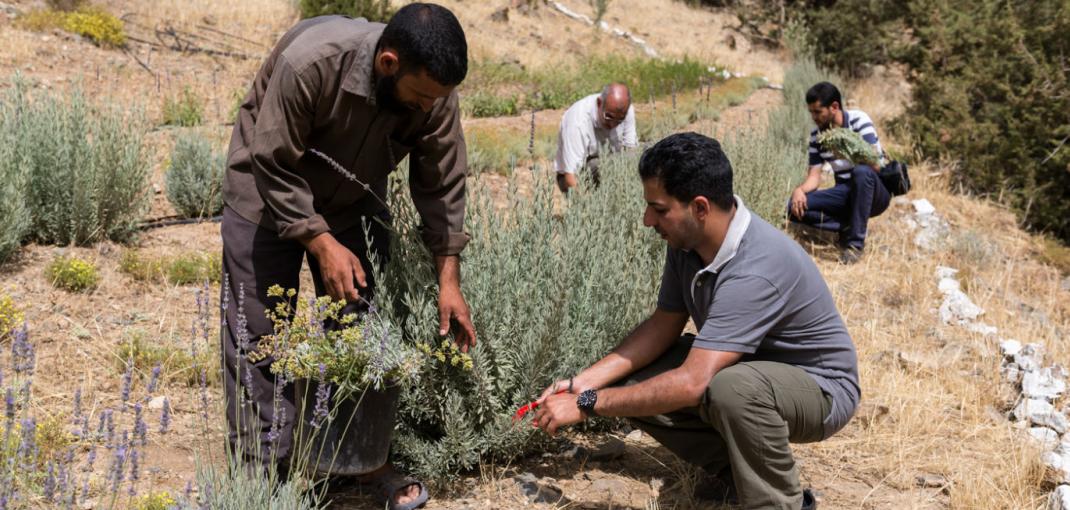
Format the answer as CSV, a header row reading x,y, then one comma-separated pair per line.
x,y
170,221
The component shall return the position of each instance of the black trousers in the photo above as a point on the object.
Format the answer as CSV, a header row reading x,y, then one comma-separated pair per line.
x,y
260,413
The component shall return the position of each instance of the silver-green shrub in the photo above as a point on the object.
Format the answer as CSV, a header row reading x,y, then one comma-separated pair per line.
x,y
550,291
85,166
14,175
194,181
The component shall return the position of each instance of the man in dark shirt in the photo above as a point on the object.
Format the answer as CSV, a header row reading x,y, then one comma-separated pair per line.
x,y
334,108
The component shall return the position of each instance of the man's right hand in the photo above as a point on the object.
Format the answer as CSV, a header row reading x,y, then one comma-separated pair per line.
x,y
798,203
340,268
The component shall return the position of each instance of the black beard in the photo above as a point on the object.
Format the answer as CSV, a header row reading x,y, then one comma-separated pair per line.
x,y
386,95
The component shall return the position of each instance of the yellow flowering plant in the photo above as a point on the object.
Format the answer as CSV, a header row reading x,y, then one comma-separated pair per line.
x,y
360,353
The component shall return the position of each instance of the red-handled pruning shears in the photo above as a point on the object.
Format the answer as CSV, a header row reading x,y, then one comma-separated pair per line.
x,y
529,407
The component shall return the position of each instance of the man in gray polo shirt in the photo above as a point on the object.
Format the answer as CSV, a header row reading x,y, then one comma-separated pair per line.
x,y
772,362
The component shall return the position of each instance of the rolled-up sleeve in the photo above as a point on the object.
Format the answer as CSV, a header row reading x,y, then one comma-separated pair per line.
x,y
284,122
437,179
628,135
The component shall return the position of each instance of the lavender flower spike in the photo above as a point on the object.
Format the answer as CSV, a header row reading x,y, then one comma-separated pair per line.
x,y
165,416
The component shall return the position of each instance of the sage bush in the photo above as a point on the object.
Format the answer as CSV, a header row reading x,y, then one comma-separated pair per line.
x,y
194,181
81,169
14,176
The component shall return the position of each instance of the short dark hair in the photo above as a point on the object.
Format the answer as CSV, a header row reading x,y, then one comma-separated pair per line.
x,y
690,165
429,37
824,92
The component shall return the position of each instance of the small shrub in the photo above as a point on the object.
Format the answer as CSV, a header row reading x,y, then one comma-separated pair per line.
x,y
85,166
154,501
194,268
140,267
98,25
184,110
72,274
10,316
176,363
194,180
485,104
372,10
600,7
15,218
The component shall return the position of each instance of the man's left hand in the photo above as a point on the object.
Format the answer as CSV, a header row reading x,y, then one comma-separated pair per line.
x,y
451,306
557,411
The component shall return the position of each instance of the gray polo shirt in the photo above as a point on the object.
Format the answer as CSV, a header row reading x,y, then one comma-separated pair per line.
x,y
763,296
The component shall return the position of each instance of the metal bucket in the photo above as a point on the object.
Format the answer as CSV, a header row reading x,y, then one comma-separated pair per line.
x,y
356,441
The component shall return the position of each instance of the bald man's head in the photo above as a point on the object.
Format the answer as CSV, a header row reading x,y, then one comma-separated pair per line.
x,y
613,104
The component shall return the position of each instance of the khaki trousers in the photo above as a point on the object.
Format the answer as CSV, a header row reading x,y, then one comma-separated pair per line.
x,y
747,417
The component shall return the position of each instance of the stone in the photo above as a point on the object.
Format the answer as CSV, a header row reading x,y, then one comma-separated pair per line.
x,y
611,486
1047,438
500,15
1055,420
922,207
1011,372
958,308
915,361
635,436
1045,383
157,402
948,284
1030,407
610,450
930,481
945,272
900,201
982,328
1010,347
1059,498
1030,357
540,491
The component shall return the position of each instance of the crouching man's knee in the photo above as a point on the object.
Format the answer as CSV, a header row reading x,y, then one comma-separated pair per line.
x,y
731,394
862,173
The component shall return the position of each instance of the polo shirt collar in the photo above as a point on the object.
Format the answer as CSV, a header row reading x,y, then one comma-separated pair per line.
x,y
736,228
361,79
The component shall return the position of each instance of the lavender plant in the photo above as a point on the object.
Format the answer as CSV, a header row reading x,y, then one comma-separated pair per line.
x,y
194,180
84,166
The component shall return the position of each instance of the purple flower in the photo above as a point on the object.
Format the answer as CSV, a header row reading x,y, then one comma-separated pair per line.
x,y
27,450
109,436
50,483
135,471
128,379
140,428
323,395
204,393
154,380
277,420
90,458
22,353
9,404
78,402
165,416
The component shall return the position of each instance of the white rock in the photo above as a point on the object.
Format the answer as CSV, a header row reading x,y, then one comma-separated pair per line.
x,y
1048,438
982,328
1010,347
635,436
1059,461
945,272
1059,498
948,285
1030,407
1011,372
157,402
1030,357
1054,420
1045,383
958,308
922,206
900,201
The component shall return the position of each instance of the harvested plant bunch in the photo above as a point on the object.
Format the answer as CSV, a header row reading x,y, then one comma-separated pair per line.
x,y
366,352
849,145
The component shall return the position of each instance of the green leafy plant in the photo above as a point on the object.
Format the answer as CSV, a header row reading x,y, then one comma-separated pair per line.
x,y
372,10
10,316
72,274
364,353
184,110
194,180
847,144
140,267
84,166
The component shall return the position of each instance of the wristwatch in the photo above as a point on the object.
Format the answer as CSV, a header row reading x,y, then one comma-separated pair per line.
x,y
586,402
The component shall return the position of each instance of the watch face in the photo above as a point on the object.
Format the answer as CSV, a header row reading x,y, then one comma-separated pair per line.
x,y
587,399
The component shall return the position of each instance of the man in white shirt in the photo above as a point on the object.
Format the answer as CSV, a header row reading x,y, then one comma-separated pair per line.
x,y
598,120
